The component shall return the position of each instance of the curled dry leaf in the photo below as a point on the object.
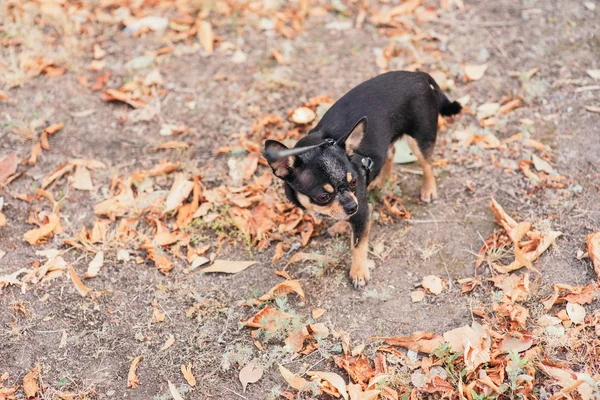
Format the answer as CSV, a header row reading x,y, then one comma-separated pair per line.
x,y
82,179
282,289
174,392
417,296
425,342
433,284
95,265
334,379
132,378
318,313
303,115
293,380
269,319
173,144
79,285
30,385
297,338
180,190
593,249
188,375
37,235
251,373
516,344
356,393
58,173
474,72
206,36
320,258
228,267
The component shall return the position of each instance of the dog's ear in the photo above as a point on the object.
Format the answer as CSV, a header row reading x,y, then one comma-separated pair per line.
x,y
282,168
355,136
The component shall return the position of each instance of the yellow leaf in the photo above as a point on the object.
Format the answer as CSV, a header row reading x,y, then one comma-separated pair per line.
x,y
188,375
30,385
81,288
293,380
168,343
132,378
228,267
206,36
35,236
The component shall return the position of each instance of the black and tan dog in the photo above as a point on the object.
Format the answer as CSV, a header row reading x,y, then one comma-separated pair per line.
x,y
330,169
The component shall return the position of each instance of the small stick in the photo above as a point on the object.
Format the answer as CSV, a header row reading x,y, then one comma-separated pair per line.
x,y
236,393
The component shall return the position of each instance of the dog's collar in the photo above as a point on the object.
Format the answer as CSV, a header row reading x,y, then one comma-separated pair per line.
x,y
366,163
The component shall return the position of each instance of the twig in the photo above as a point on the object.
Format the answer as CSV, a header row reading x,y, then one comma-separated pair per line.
x,y
410,171
234,392
432,221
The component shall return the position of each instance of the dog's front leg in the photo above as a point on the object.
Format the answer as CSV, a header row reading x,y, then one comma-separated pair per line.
x,y
361,227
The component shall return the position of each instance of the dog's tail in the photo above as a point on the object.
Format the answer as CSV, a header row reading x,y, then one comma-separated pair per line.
x,y
447,107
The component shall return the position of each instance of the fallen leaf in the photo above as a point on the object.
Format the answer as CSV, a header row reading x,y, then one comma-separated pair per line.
x,y
188,375
433,284
511,105
180,190
109,95
95,265
170,129
541,165
293,380
318,313
168,343
82,179
417,296
475,72
63,339
228,267
12,279
56,174
250,165
8,166
594,73
513,286
303,115
251,373
320,258
52,129
282,289
425,342
576,313
206,36
356,393
174,392
35,236
516,344
30,385
269,319
132,378
79,285
173,144
334,379
593,249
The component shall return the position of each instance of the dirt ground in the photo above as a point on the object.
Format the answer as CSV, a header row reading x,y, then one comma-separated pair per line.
x,y
105,333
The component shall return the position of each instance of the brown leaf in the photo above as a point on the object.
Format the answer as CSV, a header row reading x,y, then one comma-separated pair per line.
x,y
228,267
356,393
56,174
2,219
425,342
206,36
52,129
269,318
250,164
168,343
173,144
180,190
513,286
317,313
117,95
82,179
132,378
433,284
282,289
251,373
36,151
188,375
30,385
95,265
79,285
293,380
334,379
593,249
37,235
8,166
157,315
278,252
319,258
358,368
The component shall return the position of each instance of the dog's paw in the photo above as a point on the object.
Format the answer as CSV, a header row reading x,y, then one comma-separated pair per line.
x,y
428,195
359,273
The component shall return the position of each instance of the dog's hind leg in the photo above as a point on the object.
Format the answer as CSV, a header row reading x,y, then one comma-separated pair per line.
x,y
423,149
386,171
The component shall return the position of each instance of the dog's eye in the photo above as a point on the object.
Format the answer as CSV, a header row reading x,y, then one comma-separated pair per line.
x,y
323,198
353,183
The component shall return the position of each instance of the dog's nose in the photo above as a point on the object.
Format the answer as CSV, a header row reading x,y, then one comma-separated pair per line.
x,y
350,208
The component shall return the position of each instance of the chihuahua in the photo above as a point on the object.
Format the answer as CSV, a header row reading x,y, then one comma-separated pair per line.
x,y
352,147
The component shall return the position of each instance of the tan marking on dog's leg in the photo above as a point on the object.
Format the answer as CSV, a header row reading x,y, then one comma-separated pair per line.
x,y
428,187
386,171
359,271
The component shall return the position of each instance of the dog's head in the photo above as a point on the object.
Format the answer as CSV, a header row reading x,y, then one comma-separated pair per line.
x,y
318,172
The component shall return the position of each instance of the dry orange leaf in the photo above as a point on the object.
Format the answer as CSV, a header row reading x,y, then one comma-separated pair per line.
x,y
318,313
173,144
82,179
282,289
132,378
293,380
95,265
37,235
56,174
117,95
168,343
334,379
180,190
593,248
157,315
228,267
2,219
8,166
36,151
269,318
278,252
52,129
433,284
79,285
206,36
188,375
30,385
425,342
